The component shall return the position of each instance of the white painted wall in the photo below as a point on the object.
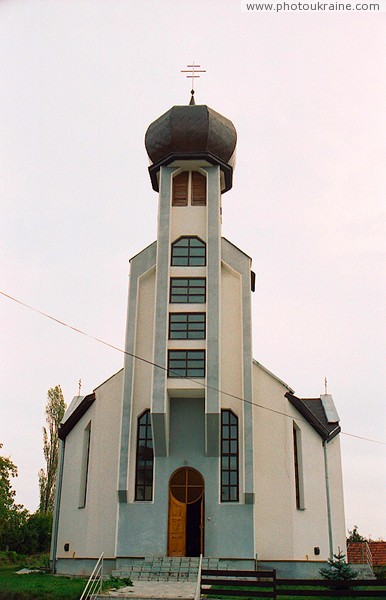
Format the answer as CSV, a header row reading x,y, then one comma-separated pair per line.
x,y
91,530
282,531
143,372
188,220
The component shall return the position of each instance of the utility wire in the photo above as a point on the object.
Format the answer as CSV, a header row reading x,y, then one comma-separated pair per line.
x,y
151,363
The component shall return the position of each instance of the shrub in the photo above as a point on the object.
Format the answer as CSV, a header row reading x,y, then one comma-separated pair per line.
x,y
338,569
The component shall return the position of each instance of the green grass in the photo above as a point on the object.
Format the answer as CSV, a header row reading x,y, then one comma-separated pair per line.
x,y
44,586
38,586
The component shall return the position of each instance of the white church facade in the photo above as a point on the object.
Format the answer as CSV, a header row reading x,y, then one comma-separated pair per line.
x,y
194,447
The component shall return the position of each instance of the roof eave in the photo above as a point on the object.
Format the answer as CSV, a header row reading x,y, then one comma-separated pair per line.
x,y
66,427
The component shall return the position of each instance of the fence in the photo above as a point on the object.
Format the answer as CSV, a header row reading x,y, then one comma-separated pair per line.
x,y
264,584
234,583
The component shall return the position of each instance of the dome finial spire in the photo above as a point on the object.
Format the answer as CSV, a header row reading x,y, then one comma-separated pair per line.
x,y
193,70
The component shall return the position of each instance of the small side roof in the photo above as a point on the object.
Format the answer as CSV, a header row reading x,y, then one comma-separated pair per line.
x,y
78,407
313,411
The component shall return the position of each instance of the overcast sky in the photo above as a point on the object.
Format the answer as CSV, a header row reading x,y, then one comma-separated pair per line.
x,y
80,81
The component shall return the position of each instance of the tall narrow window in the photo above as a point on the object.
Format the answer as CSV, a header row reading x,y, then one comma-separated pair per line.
x,y
84,466
180,189
229,457
298,470
144,466
189,252
198,189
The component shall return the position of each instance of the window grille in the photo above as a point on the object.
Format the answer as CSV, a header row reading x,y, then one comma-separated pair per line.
x,y
189,252
229,457
186,363
144,459
187,326
190,290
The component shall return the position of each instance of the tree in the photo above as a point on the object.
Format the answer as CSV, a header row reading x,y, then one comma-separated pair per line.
x,y
338,569
355,536
12,516
55,409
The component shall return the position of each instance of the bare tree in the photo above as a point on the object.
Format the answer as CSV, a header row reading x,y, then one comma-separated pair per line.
x,y
55,409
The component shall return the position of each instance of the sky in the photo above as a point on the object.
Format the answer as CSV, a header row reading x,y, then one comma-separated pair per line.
x,y
80,81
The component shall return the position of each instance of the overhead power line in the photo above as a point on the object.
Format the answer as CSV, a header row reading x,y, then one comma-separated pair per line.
x,y
153,364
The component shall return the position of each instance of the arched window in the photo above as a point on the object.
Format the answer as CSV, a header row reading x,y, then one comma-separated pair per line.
x,y
189,252
144,462
229,457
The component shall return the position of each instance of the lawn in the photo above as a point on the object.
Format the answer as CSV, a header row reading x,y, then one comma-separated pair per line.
x,y
38,586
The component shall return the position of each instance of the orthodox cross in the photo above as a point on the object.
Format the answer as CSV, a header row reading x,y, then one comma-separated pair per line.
x,y
193,70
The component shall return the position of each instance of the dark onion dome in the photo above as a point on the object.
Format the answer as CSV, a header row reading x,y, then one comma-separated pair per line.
x,y
192,132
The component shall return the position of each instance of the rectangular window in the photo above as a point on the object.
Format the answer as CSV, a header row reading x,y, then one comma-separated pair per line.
x,y
298,468
187,326
229,457
186,363
84,466
190,290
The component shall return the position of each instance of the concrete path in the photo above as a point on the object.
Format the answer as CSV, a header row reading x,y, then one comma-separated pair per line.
x,y
150,590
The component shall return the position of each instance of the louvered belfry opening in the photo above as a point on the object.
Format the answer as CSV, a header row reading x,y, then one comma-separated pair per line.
x,y
198,189
197,184
180,189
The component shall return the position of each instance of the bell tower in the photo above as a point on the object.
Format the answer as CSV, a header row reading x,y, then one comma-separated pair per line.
x,y
192,149
189,316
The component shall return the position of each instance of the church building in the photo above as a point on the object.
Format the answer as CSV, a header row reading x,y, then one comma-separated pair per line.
x,y
194,447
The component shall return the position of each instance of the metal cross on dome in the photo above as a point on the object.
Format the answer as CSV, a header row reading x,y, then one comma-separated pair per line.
x,y
193,70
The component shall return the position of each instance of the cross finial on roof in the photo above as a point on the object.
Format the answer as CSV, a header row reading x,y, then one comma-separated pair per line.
x,y
325,385
193,70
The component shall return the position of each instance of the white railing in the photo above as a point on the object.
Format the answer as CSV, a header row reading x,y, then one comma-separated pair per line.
x,y
94,584
198,587
369,556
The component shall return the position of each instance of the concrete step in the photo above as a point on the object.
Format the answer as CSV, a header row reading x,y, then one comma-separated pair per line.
x,y
163,568
364,571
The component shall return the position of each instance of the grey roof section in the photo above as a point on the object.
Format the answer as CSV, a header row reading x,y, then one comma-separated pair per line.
x,y
312,410
191,129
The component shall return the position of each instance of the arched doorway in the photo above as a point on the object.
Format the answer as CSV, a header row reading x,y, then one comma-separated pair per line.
x,y
186,513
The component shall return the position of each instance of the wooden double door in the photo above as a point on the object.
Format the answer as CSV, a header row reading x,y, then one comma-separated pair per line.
x,y
186,513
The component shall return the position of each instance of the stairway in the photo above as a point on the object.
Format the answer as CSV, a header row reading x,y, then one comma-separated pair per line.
x,y
165,568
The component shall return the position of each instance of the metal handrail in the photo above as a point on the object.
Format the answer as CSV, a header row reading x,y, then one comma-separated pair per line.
x,y
369,556
198,587
94,583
